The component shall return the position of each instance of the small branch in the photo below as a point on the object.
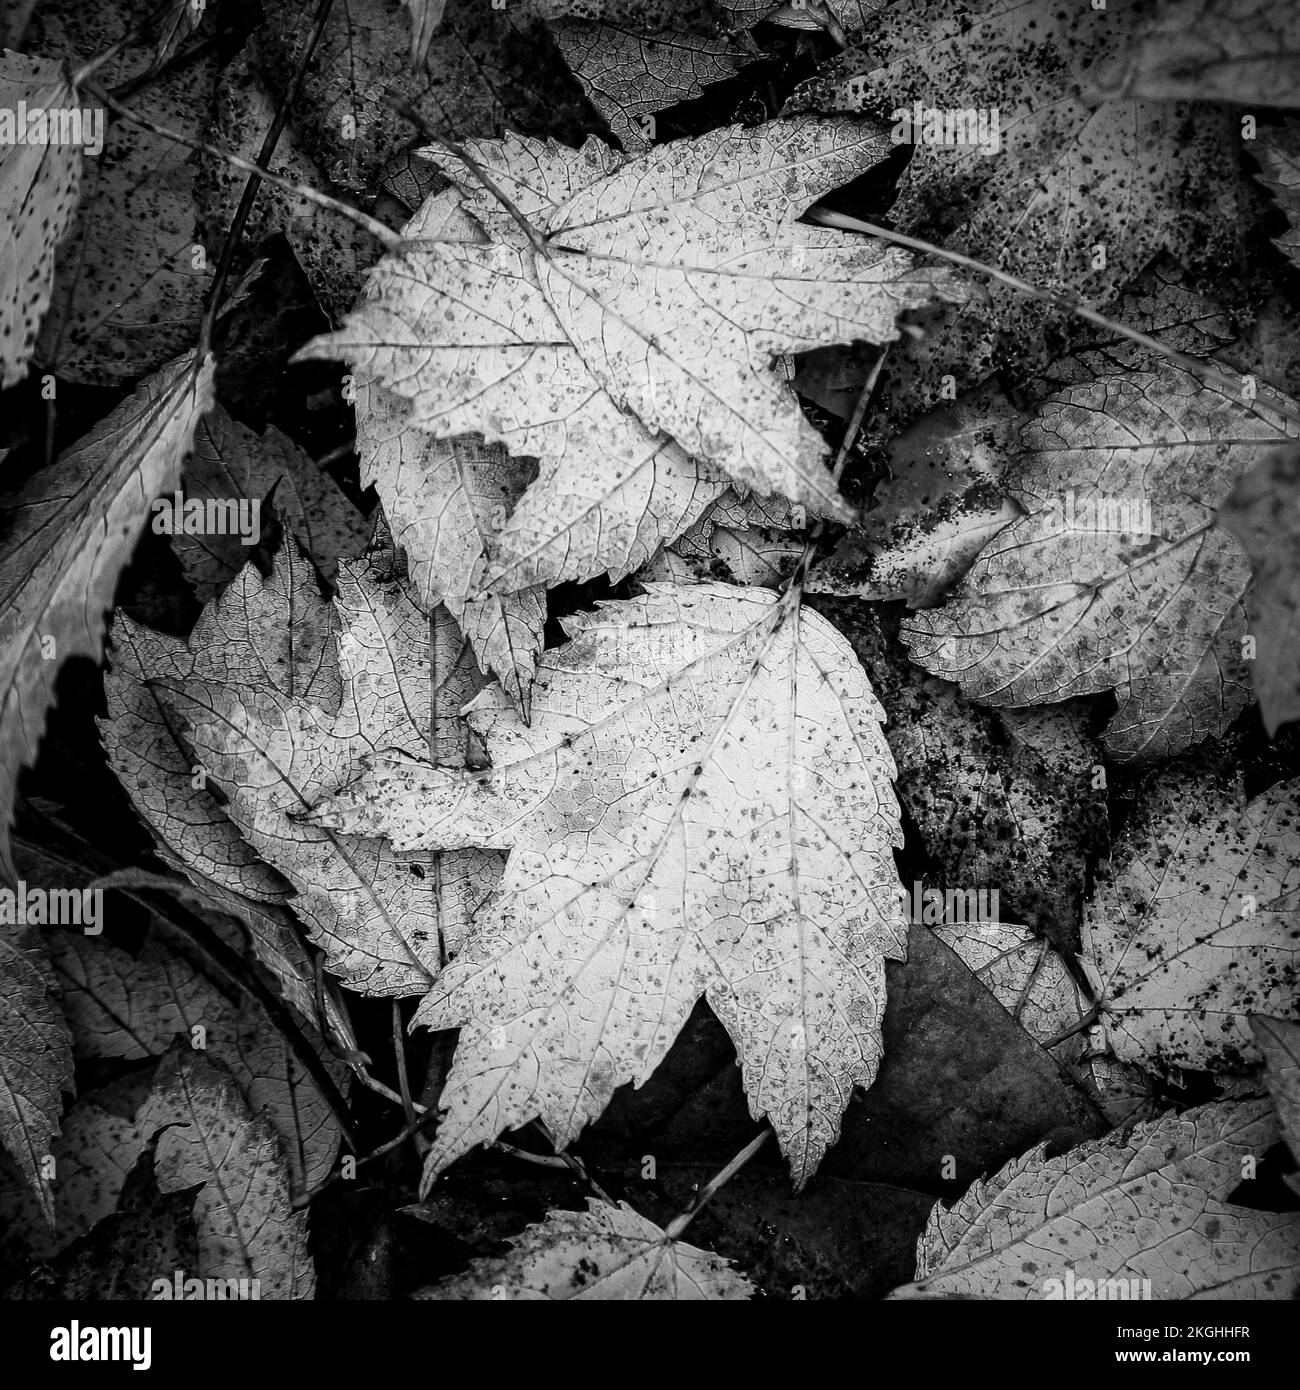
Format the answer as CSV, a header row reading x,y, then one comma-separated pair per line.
x,y
678,1224
390,240
1082,1026
1230,385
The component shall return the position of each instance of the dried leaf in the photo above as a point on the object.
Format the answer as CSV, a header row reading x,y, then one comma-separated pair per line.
x,y
1279,1040
1195,924
1144,1215
35,1060
1263,512
702,805
1278,152
38,196
70,532
385,921
131,272
206,1135
1114,578
684,345
231,462
120,1006
605,1253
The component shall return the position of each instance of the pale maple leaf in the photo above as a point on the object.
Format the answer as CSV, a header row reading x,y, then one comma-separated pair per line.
x,y
662,286
1140,1214
385,921
604,1253
702,805
1114,577
70,533
1195,923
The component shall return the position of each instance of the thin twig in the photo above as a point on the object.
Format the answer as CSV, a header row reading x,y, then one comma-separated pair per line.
x,y
678,1224
249,195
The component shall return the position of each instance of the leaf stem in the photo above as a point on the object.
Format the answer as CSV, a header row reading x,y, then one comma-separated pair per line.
x,y
678,1224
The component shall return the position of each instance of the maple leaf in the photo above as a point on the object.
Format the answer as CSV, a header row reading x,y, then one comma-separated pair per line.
x,y
1145,1214
1263,512
662,286
701,806
1195,923
38,197
446,500
132,1007
629,74
572,522
1064,171
206,1136
1278,152
1243,52
605,1253
230,461
35,1059
69,535
1114,578
282,724
128,288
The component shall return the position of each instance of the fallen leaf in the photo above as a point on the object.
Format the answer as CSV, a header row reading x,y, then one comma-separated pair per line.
x,y
1278,152
1055,170
385,921
1194,923
1279,1040
1114,577
38,195
683,345
133,269
1263,512
206,1136
232,463
35,1060
702,805
605,1253
1243,52
426,15
1140,1215
132,1007
69,535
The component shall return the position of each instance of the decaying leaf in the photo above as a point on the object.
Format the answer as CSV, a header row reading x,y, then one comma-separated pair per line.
x,y
132,1007
1195,923
1245,52
1279,1040
1143,1215
1115,576
703,804
426,15
1022,162
38,196
35,1060
69,534
606,1253
739,540
231,463
133,269
206,1136
523,345
1263,512
1278,152
386,920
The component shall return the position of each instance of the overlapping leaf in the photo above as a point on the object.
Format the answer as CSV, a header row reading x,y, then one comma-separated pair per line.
x,y
1196,923
605,1253
1139,1215
1114,578
702,806
661,287
68,537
